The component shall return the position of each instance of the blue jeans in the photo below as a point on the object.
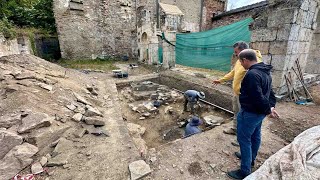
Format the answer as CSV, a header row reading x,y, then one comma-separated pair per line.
x,y
249,137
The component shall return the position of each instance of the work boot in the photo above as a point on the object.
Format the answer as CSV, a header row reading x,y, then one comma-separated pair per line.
x,y
229,131
237,174
238,155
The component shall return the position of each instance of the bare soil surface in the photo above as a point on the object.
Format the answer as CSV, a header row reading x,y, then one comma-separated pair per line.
x,y
295,119
207,155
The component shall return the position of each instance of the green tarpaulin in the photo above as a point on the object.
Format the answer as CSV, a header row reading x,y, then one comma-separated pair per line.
x,y
211,49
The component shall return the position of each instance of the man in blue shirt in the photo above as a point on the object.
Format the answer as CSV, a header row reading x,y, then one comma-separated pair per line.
x,y
191,97
192,127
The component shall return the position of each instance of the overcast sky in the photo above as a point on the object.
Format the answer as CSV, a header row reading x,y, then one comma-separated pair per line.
x,y
233,4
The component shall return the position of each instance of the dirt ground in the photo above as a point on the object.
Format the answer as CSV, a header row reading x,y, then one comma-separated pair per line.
x,y
207,155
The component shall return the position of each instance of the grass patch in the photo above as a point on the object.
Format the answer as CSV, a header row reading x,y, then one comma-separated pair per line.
x,y
211,72
97,64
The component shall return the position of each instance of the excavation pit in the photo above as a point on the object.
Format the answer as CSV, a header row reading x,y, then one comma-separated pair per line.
x,y
158,111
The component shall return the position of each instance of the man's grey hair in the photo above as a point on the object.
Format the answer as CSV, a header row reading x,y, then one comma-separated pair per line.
x,y
241,45
249,54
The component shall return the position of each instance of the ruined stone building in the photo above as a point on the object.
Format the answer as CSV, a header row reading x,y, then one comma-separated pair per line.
x,y
123,28
283,31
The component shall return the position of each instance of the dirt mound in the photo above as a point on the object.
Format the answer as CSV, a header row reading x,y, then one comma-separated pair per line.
x,y
58,122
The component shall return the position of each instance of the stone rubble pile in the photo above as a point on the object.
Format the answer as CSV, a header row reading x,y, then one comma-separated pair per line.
x,y
25,132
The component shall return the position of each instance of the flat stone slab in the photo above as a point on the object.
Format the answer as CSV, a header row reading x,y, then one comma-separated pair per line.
x,y
36,168
62,147
46,86
97,121
8,121
136,129
17,159
21,76
8,140
43,160
81,99
59,160
80,132
34,121
90,111
77,117
139,169
71,106
213,120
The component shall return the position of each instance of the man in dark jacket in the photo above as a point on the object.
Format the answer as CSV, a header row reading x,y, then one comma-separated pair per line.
x,y
193,127
257,101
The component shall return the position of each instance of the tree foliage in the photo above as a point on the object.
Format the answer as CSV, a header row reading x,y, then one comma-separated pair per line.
x,y
29,13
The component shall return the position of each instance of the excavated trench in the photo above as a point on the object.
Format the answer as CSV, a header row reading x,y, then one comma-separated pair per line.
x,y
163,124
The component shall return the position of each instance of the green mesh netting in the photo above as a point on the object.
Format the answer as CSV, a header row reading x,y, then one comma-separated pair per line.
x,y
211,49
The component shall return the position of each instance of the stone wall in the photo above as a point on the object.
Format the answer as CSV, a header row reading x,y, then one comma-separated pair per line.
x,y
8,47
91,29
211,7
283,34
191,10
313,63
20,45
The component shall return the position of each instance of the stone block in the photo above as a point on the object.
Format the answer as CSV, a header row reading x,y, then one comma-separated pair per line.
x,y
302,16
34,121
62,147
263,47
17,159
81,99
90,111
305,5
36,168
289,63
308,35
280,17
43,160
306,47
9,120
263,35
295,16
309,20
59,160
278,48
136,130
295,47
278,62
277,78
97,121
303,61
139,169
77,117
80,132
76,6
313,6
290,46
44,136
294,32
212,120
8,140
315,19
284,32
266,59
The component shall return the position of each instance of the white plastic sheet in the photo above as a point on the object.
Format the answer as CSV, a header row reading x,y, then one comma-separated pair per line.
x,y
300,160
